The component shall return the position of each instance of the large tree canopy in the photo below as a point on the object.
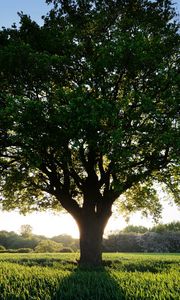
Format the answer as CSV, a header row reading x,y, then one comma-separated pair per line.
x,y
89,111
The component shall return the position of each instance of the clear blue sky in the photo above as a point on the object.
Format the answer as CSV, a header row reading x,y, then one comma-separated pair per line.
x,y
34,8
9,9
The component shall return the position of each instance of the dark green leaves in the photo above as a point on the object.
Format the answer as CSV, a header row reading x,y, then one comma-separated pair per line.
x,y
91,96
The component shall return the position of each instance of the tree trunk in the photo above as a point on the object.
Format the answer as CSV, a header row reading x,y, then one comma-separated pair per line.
x,y
91,235
91,220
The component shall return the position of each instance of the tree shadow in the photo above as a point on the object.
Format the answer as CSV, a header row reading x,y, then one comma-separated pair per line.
x,y
89,284
143,267
118,265
100,284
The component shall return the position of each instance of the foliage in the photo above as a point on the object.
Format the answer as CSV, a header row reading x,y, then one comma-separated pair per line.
x,y
48,246
2,248
66,250
164,242
26,230
11,240
24,250
100,83
135,229
19,250
89,112
122,242
161,238
67,241
173,226
127,277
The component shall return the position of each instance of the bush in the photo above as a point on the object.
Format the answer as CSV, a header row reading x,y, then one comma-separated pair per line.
x,y
2,248
11,250
122,242
24,250
48,246
160,242
66,250
20,250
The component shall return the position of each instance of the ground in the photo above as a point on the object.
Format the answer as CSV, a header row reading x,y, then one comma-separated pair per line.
x,y
56,276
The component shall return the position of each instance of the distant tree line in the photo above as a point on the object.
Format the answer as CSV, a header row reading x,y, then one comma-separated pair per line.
x,y
160,238
26,241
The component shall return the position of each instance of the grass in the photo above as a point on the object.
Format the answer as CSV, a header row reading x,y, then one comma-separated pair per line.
x,y
56,276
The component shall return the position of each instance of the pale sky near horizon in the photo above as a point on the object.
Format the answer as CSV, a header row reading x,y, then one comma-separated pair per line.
x,y
50,224
47,223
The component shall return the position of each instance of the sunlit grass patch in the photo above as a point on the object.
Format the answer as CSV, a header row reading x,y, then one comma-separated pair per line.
x,y
57,276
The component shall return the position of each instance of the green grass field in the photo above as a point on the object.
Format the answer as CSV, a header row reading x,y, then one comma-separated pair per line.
x,y
56,276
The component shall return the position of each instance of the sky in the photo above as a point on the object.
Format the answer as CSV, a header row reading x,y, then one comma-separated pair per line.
x,y
47,223
51,224
9,9
34,8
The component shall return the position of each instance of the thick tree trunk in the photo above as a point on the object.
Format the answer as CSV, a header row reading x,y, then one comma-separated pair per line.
x,y
91,236
91,219
91,246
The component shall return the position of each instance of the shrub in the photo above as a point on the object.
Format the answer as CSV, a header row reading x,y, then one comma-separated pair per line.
x,y
66,250
48,246
24,250
160,242
2,248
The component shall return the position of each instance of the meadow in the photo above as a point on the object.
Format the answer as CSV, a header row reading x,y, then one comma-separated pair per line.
x,y
57,276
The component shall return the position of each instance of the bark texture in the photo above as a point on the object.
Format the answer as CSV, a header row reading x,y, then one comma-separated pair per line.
x,y
91,229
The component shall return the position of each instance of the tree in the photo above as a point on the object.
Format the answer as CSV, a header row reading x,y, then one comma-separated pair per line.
x,y
151,241
135,229
122,242
48,246
89,112
26,230
167,241
64,239
160,228
11,240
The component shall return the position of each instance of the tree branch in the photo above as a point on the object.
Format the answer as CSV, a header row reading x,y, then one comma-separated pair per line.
x,y
77,179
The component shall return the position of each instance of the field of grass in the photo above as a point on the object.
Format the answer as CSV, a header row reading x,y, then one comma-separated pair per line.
x,y
56,276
